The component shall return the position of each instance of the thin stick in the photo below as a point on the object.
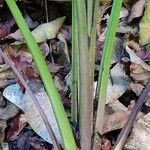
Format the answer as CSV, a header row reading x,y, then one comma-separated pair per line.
x,y
127,127
105,64
46,11
57,105
41,112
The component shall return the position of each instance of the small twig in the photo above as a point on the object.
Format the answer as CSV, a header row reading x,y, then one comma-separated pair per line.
x,y
46,11
43,116
127,127
47,20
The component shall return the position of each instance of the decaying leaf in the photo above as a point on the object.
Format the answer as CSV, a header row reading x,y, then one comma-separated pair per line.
x,y
145,26
42,33
24,102
137,10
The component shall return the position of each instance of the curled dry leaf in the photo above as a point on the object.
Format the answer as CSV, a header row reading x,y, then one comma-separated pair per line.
x,y
42,33
145,26
137,10
24,102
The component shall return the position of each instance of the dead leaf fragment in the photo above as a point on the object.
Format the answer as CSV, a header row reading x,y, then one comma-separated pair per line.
x,y
137,10
25,103
42,33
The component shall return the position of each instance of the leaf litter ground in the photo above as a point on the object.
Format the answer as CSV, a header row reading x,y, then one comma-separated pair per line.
x,y
130,71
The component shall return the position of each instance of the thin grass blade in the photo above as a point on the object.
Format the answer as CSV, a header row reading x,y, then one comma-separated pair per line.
x,y
105,63
63,123
75,62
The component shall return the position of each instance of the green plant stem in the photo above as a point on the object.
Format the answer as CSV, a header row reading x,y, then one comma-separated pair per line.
x,y
74,73
86,104
105,63
63,124
89,15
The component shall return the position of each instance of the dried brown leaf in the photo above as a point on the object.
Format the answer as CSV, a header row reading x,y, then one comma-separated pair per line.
x,y
137,10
